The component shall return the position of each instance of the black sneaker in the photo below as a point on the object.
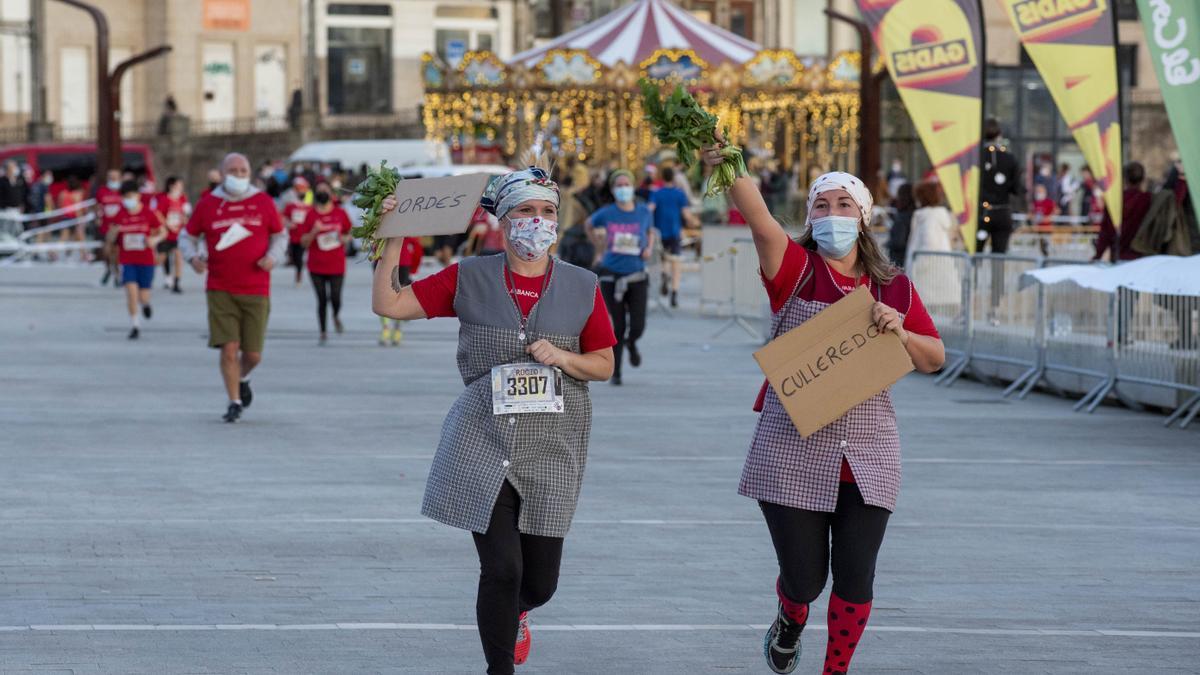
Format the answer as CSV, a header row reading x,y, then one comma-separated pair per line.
x,y
133,333
175,288
616,380
245,394
674,298
782,643
146,311
635,357
104,279
233,413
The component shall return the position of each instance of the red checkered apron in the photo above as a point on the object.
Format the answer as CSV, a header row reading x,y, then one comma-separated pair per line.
x,y
783,468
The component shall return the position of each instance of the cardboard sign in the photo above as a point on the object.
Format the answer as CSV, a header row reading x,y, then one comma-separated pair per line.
x,y
428,206
832,362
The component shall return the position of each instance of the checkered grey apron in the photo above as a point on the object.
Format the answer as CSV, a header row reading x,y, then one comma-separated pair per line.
x,y
541,454
784,468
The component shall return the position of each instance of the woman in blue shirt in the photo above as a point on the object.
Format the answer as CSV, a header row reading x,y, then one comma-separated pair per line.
x,y
624,240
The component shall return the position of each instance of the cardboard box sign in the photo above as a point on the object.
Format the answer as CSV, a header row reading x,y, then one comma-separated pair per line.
x,y
429,206
832,362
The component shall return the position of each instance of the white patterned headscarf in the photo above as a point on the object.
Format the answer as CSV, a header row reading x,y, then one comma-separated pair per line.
x,y
839,180
504,193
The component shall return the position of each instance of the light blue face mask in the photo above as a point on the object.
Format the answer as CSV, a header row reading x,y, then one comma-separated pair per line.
x,y
835,235
623,193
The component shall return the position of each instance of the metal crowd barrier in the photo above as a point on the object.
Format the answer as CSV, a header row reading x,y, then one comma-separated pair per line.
x,y
1142,348
19,233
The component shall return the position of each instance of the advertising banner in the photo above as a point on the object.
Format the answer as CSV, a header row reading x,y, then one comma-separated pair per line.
x,y
934,52
1072,43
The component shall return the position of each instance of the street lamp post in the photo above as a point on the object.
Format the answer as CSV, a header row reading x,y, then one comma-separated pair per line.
x,y
869,101
114,94
104,117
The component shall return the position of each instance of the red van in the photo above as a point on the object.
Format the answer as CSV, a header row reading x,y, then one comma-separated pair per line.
x,y
76,159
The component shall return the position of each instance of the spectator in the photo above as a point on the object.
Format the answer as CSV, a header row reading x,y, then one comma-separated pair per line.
x,y
896,178
1068,185
901,224
169,111
294,109
934,229
1170,228
13,189
1135,202
1087,185
39,199
1041,216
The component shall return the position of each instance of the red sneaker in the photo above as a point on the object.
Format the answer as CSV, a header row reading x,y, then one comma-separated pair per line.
x,y
521,651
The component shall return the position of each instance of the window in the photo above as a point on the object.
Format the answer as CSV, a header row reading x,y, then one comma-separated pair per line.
x,y
359,9
461,12
741,19
543,19
483,41
359,70
451,44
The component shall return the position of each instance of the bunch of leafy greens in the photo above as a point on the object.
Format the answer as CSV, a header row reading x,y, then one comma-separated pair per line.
x,y
369,195
680,121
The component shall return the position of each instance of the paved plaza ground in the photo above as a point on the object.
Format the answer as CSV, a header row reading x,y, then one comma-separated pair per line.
x,y
143,535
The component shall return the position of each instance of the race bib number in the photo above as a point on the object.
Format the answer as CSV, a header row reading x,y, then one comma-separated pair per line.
x,y
526,388
627,243
174,219
133,241
298,216
111,210
328,241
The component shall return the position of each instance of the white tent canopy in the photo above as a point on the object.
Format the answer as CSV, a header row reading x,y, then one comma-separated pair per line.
x,y
634,32
1164,274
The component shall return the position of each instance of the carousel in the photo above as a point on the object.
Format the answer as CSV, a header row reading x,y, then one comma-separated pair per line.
x,y
577,96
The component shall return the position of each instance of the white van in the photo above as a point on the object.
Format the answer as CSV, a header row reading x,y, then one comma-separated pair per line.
x,y
350,155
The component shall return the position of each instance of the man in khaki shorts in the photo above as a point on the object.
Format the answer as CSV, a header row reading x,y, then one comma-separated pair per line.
x,y
244,239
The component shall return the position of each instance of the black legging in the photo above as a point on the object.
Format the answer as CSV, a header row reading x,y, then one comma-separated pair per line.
x,y
632,307
329,292
517,572
802,545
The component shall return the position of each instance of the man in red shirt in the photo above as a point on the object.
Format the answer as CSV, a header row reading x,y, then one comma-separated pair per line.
x,y
134,232
244,239
108,205
294,215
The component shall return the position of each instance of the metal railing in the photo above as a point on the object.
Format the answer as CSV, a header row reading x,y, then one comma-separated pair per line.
x,y
24,236
1061,336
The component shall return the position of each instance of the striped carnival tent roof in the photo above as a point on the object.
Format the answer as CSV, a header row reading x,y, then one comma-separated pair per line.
x,y
634,32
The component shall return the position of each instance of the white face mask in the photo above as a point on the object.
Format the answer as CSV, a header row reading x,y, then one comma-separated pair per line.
x,y
236,186
113,184
835,235
531,238
131,204
623,193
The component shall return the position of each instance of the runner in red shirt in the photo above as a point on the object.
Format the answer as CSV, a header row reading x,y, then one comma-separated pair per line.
x,y
108,205
174,207
134,232
408,264
827,497
243,241
324,234
294,215
484,236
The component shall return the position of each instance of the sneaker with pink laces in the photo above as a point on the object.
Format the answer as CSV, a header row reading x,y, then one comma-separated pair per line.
x,y
521,651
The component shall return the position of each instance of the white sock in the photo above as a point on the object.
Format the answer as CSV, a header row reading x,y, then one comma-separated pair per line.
x,y
236,400
134,321
246,378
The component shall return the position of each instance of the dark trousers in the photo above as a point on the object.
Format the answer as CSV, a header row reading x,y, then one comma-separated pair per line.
x,y
517,572
628,315
802,544
329,292
296,258
998,230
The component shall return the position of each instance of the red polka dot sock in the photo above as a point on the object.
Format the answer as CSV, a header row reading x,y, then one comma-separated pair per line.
x,y
847,621
796,611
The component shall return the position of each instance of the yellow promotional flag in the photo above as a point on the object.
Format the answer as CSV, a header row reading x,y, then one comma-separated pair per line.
x,y
934,52
1072,44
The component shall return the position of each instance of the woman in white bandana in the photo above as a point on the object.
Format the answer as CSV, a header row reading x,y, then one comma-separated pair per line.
x,y
533,332
826,498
